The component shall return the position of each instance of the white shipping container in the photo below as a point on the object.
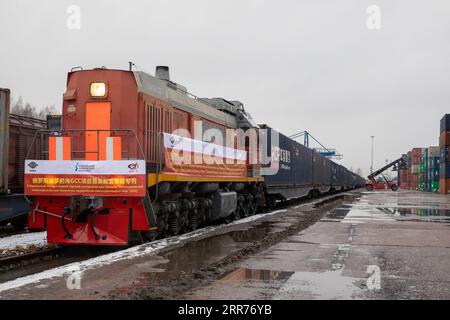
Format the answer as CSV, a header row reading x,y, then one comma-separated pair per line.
x,y
433,152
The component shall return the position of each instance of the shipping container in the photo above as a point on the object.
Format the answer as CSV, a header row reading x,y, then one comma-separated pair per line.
x,y
21,135
444,139
445,123
433,162
16,135
445,170
321,172
434,185
293,165
415,168
403,178
4,124
426,181
445,154
416,155
434,173
433,152
444,186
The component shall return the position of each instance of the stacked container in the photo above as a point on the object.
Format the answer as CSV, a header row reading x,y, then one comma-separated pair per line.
x,y
416,160
433,169
423,171
403,178
444,144
404,174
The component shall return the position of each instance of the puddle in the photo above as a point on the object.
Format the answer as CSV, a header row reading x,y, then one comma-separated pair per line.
x,y
298,285
241,274
338,213
193,256
403,206
328,285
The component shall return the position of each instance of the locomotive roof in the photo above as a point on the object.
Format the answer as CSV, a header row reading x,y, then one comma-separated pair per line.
x,y
219,110
179,97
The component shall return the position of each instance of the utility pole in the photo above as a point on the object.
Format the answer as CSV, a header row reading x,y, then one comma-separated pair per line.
x,y
371,165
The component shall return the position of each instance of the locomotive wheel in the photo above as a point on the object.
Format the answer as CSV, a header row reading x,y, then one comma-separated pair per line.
x,y
174,227
19,224
193,220
149,236
230,218
253,207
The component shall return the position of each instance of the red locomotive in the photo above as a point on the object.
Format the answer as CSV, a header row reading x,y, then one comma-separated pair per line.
x,y
116,118
138,157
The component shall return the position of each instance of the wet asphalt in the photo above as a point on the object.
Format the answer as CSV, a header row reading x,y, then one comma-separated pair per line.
x,y
386,245
378,245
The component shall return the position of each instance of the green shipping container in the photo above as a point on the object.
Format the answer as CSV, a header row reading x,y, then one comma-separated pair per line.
x,y
434,186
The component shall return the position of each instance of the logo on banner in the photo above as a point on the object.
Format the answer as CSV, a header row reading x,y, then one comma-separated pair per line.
x,y
84,167
33,165
172,141
133,166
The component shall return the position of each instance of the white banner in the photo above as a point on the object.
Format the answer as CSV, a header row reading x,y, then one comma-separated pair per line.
x,y
175,142
119,167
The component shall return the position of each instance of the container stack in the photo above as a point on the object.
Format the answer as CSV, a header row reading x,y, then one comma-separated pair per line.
x,y
444,144
423,171
416,159
433,169
404,174
403,178
428,169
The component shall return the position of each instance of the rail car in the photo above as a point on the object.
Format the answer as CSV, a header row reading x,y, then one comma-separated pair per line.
x,y
16,136
139,157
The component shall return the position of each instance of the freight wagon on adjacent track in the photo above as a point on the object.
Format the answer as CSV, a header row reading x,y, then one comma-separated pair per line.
x,y
138,157
16,136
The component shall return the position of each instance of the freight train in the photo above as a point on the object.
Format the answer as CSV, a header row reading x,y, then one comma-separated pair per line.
x,y
139,157
16,136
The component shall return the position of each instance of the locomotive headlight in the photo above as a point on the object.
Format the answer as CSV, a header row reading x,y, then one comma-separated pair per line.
x,y
98,89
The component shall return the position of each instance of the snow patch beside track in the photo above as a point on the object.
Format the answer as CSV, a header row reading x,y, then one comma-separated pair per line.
x,y
38,239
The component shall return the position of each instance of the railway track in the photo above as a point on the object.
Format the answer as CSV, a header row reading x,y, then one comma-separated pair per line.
x,y
41,260
28,257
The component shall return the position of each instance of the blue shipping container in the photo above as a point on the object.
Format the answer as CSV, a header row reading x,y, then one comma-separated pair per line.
x,y
445,154
445,123
293,160
445,170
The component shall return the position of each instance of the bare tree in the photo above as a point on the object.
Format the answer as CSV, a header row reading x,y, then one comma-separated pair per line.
x,y
48,110
19,108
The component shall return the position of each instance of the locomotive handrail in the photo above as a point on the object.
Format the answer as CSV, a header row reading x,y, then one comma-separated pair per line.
x,y
160,139
60,133
56,133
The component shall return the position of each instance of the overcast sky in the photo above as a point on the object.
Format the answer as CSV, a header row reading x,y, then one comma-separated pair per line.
x,y
296,65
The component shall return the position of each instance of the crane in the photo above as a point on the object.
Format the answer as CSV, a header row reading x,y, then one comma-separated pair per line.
x,y
326,152
373,184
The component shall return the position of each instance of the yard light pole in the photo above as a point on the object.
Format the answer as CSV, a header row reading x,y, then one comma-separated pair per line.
x,y
371,165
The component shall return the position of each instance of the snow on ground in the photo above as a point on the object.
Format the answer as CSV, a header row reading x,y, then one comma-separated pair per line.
x,y
23,240
130,253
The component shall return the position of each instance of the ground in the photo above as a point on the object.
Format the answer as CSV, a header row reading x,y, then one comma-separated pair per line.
x,y
360,245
